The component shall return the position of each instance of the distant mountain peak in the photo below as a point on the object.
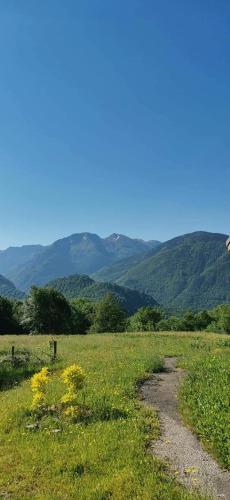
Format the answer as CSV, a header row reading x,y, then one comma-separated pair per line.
x,y
114,237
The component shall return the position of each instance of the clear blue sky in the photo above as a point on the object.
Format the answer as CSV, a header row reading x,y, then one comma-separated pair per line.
x,y
114,117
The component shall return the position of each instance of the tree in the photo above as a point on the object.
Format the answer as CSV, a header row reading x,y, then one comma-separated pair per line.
x,y
46,311
188,322
221,316
203,319
109,315
8,321
83,312
171,324
145,319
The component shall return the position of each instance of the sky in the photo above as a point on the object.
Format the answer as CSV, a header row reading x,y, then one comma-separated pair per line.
x,y
114,117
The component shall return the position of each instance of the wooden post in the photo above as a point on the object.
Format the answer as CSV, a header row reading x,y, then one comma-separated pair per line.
x,y
12,351
55,350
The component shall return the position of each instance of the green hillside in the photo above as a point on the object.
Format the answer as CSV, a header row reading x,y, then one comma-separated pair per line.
x,y
115,271
190,271
83,286
14,257
83,253
7,289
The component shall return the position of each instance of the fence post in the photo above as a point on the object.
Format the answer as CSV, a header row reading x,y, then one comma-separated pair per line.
x,y
12,351
53,348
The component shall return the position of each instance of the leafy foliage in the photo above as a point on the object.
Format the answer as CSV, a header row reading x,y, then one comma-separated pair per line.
x,y
188,322
109,316
8,319
221,318
82,317
145,319
46,311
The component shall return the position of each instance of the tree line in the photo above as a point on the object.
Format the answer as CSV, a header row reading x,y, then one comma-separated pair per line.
x,y
47,311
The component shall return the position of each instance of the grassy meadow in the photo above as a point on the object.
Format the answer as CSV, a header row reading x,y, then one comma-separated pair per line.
x,y
105,454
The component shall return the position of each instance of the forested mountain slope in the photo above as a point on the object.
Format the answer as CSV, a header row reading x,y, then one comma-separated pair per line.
x,y
82,286
7,289
14,257
115,271
83,253
190,271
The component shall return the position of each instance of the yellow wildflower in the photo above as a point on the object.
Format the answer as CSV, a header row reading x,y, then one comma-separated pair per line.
x,y
39,380
38,400
73,376
38,386
69,397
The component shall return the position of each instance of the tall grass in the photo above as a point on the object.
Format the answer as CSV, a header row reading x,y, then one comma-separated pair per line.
x,y
205,401
106,456
15,368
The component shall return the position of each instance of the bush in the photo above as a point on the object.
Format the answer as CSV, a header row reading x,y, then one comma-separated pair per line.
x,y
145,319
171,324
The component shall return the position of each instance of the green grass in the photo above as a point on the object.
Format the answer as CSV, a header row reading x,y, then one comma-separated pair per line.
x,y
205,401
22,365
107,456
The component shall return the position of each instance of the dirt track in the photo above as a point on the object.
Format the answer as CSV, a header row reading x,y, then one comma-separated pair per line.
x,y
181,448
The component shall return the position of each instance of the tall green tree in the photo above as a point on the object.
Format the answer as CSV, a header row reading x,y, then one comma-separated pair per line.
x,y
145,319
203,320
221,316
8,319
83,312
46,311
109,315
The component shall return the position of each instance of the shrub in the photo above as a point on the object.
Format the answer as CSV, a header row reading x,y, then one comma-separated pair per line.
x,y
73,377
39,382
145,319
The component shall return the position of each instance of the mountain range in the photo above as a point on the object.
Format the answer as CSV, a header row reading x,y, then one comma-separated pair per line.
x,y
83,253
189,271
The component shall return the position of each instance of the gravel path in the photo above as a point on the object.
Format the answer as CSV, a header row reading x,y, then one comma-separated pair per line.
x,y
195,467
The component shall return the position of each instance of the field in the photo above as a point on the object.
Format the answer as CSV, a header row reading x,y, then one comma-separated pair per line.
x,y
104,455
